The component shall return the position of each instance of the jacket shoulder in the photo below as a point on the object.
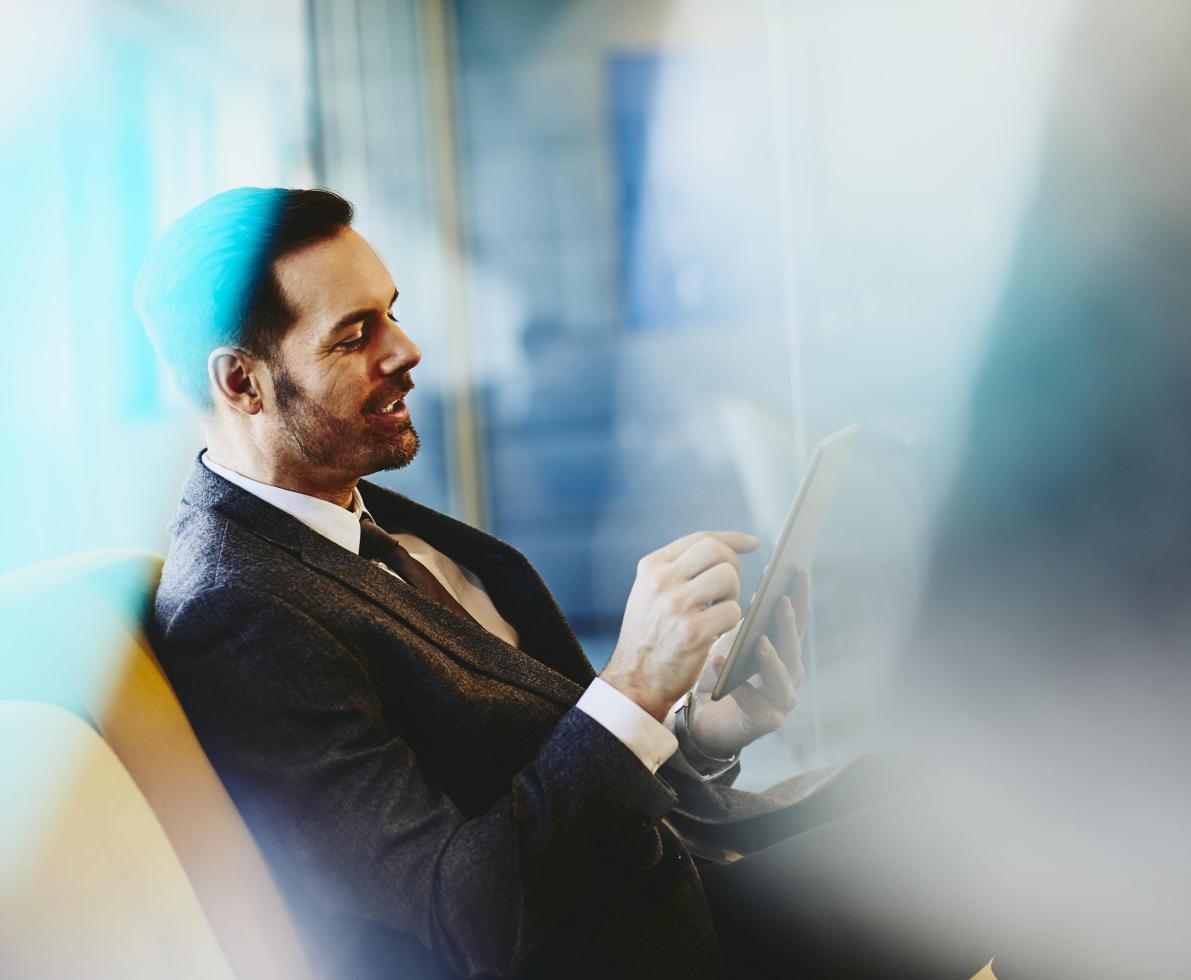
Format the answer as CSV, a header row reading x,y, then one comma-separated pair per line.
x,y
209,551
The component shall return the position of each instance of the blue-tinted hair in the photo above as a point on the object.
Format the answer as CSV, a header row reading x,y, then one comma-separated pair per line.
x,y
208,280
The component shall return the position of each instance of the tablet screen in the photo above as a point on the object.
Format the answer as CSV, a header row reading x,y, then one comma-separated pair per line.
x,y
791,555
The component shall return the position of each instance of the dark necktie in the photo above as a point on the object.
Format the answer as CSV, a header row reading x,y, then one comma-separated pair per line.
x,y
377,544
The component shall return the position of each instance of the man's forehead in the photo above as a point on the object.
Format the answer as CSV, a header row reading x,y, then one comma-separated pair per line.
x,y
330,277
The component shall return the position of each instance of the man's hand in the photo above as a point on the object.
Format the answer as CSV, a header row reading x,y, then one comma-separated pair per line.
x,y
724,727
683,598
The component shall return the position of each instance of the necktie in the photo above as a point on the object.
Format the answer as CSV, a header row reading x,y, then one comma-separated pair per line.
x,y
377,544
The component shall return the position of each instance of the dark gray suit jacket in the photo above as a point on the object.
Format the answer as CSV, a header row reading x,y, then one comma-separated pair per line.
x,y
428,796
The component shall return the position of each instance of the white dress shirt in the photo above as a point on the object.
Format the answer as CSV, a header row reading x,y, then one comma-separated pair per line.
x,y
649,740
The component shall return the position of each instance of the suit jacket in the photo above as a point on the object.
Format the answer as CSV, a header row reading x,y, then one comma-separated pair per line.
x,y
428,797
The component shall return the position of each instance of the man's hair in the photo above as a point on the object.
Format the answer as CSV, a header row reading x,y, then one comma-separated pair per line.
x,y
209,280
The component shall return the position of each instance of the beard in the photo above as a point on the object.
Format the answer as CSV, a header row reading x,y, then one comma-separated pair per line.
x,y
350,444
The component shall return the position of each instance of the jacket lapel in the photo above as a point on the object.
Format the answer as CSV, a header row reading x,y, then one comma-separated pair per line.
x,y
551,663
515,588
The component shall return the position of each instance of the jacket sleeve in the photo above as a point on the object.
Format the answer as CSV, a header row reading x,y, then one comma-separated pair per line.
x,y
290,712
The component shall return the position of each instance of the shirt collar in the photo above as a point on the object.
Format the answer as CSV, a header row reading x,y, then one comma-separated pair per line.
x,y
338,524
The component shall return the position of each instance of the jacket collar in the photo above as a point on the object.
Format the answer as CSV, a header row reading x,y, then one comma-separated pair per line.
x,y
550,661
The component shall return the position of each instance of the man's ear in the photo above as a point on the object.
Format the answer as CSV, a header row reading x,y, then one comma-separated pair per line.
x,y
234,381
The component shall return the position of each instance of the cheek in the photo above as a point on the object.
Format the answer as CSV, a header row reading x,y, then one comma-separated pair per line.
x,y
345,392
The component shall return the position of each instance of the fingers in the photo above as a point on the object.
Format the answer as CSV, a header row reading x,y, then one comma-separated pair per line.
x,y
711,671
758,709
789,639
719,618
717,656
704,554
777,686
738,541
719,582
707,570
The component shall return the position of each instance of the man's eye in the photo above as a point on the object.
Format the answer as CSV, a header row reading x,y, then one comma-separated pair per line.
x,y
392,316
351,342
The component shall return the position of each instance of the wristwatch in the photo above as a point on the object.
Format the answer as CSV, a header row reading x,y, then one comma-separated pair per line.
x,y
707,766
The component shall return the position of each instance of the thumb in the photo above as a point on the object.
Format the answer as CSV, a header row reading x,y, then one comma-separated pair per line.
x,y
710,673
723,642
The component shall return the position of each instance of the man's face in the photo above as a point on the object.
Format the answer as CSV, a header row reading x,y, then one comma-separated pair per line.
x,y
342,364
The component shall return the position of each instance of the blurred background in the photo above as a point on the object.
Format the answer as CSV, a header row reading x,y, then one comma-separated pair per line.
x,y
652,251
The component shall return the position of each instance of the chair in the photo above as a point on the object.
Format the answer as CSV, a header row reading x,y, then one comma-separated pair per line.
x,y
122,854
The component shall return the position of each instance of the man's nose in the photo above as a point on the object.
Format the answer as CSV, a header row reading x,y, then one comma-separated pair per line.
x,y
401,353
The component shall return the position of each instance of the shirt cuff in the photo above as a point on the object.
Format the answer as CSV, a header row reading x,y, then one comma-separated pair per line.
x,y
646,737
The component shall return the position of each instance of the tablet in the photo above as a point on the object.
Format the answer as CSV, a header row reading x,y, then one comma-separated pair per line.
x,y
791,555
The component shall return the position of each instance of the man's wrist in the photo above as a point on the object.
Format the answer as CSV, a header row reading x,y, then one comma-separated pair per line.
x,y
635,693
708,765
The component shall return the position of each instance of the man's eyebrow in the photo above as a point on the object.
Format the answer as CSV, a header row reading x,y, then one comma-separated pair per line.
x,y
355,316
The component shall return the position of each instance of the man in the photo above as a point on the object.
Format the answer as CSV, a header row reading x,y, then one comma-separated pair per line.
x,y
396,704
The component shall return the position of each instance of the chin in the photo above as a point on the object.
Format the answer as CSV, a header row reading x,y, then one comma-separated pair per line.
x,y
401,454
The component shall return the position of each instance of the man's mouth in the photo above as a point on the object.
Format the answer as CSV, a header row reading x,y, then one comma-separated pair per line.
x,y
395,407
396,404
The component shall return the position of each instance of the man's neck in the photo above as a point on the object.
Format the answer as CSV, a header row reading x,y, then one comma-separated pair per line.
x,y
310,480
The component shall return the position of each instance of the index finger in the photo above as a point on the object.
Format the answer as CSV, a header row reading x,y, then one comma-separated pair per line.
x,y
738,541
789,633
